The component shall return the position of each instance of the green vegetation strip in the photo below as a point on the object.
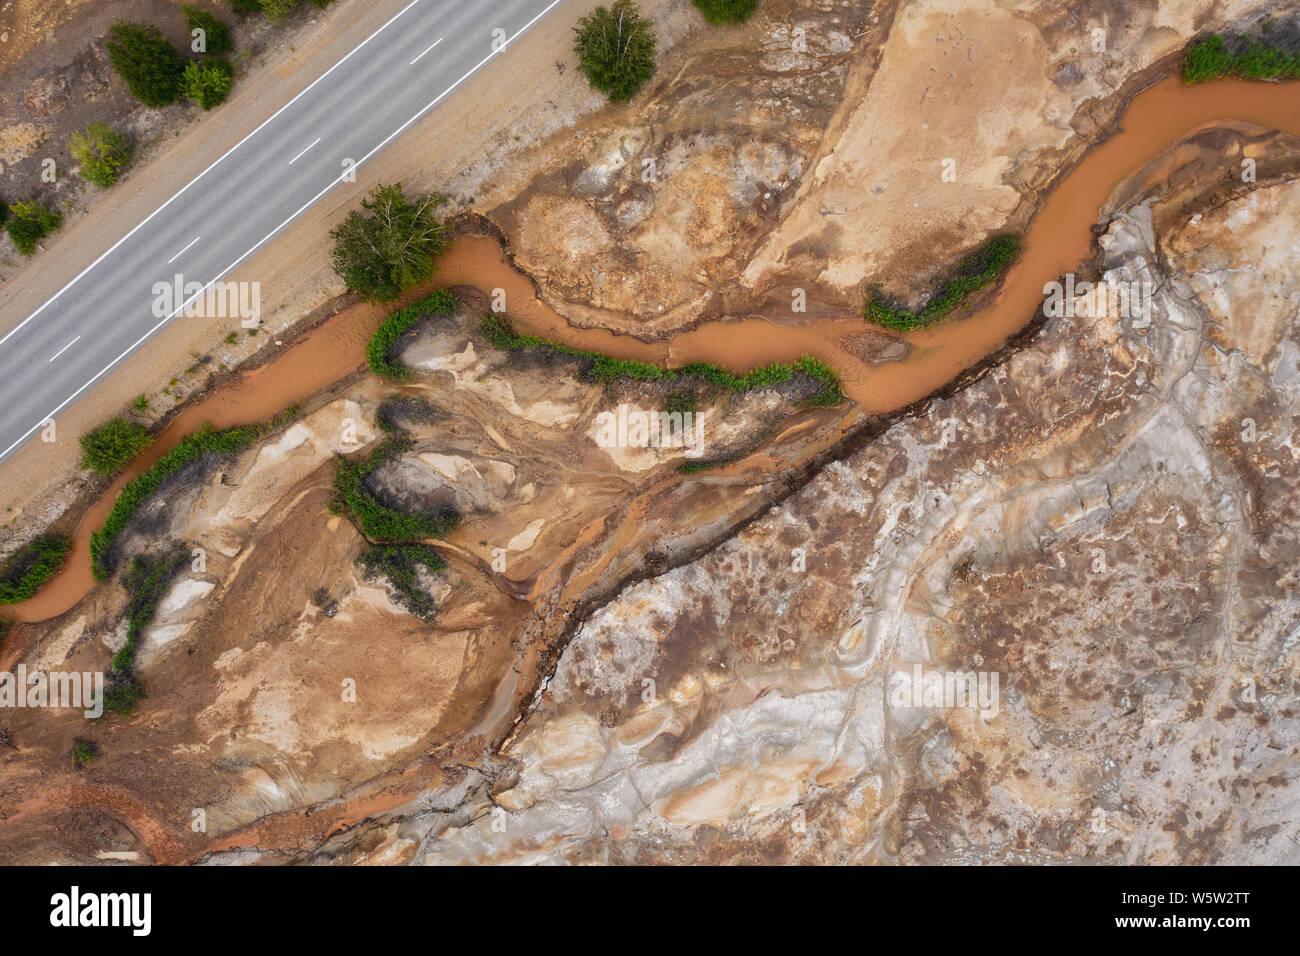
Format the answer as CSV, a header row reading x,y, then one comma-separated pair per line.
x,y
146,582
976,270
203,443
380,346
604,370
398,563
377,520
31,566
1215,56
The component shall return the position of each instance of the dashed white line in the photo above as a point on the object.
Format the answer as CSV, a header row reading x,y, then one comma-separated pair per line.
x,y
65,348
435,43
182,252
304,152
106,254
391,136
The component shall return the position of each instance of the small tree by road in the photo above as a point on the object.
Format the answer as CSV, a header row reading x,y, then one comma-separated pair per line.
x,y
382,254
102,153
616,49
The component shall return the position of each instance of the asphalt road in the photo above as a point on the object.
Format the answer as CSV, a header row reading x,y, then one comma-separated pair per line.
x,y
251,192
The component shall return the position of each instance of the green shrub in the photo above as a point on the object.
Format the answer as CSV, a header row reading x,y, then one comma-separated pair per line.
x,y
976,270
28,568
680,403
208,84
616,49
383,254
84,751
1213,56
203,443
102,153
29,223
377,520
397,563
246,6
378,349
144,59
604,370
727,11
109,448
278,9
216,35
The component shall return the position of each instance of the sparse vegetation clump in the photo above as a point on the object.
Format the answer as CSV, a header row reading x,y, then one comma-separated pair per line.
x,y
216,35
399,564
146,581
28,568
726,11
1241,56
616,49
84,751
149,65
604,370
379,348
101,153
29,223
109,448
383,254
975,271
378,521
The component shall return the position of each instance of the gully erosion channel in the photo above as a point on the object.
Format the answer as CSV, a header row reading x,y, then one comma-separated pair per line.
x,y
1057,240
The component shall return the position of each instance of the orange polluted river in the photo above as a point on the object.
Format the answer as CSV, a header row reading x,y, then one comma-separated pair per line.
x,y
1057,241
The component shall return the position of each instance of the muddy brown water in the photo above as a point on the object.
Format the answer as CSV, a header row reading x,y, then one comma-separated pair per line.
x,y
1057,241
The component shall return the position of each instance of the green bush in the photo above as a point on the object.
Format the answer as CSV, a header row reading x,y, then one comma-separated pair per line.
x,y
976,270
84,751
109,448
29,223
604,370
208,84
378,349
383,254
1213,57
192,448
144,59
28,568
727,11
102,153
616,49
397,563
246,6
216,35
377,520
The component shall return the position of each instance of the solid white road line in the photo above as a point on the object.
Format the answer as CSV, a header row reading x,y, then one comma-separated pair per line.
x,y
304,152
417,59
182,252
202,174
65,348
436,100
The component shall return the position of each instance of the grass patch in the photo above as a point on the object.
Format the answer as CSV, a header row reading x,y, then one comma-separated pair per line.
x,y
1241,56
204,443
377,520
146,581
695,467
30,567
108,449
398,563
84,751
604,370
380,346
975,271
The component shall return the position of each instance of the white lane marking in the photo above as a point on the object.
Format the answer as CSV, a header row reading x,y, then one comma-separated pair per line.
x,y
201,175
65,348
435,43
64,404
304,152
182,252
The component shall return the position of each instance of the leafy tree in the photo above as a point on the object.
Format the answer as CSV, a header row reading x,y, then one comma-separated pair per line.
x,y
149,64
216,35
383,254
208,84
616,49
29,223
107,449
102,151
727,11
